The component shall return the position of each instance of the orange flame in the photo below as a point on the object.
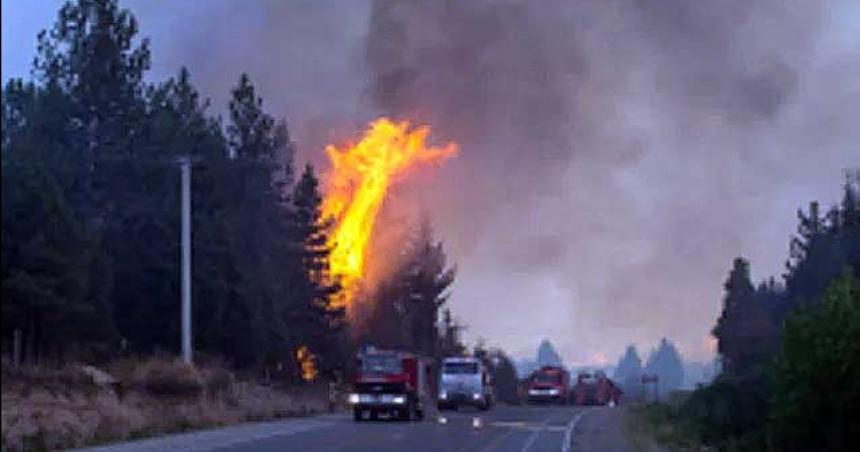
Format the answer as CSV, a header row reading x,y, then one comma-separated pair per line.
x,y
307,363
357,182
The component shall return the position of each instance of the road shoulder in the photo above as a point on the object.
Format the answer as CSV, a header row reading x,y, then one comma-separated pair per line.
x,y
605,429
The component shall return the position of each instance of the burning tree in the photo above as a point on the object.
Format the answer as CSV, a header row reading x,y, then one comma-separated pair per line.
x,y
357,184
406,309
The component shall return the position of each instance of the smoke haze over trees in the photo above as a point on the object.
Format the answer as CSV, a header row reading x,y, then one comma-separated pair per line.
x,y
546,355
611,124
666,364
628,372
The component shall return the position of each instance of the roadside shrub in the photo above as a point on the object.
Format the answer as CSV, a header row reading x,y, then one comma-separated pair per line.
x,y
161,377
729,414
816,403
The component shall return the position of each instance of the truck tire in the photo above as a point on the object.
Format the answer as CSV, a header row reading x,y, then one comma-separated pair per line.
x,y
405,414
357,414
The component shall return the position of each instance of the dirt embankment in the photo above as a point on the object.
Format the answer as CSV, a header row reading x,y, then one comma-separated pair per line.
x,y
80,405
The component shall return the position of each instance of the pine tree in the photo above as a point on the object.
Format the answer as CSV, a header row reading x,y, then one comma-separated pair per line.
x,y
427,278
666,363
318,324
450,342
253,217
823,247
738,293
91,54
628,372
407,303
49,264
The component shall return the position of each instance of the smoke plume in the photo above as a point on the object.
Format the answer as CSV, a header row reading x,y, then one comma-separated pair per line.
x,y
615,154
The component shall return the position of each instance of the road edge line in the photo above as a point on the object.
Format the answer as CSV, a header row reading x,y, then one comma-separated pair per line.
x,y
568,434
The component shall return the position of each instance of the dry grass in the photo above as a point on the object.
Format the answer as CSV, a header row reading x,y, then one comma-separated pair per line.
x,y
46,410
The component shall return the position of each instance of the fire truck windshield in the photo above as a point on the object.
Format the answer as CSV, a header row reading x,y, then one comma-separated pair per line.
x,y
461,368
547,378
381,364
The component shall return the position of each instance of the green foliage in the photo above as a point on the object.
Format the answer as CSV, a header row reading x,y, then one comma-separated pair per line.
x,y
727,414
817,380
48,266
824,246
790,354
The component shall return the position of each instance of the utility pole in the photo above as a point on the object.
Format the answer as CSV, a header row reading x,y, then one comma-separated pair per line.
x,y
185,165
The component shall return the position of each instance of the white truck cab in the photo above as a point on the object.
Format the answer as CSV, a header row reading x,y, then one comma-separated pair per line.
x,y
465,381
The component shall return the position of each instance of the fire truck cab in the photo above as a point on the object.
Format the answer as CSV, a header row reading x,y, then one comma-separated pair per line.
x,y
549,384
390,382
465,381
595,389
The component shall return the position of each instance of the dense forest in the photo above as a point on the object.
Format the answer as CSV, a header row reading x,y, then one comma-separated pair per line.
x,y
91,218
790,350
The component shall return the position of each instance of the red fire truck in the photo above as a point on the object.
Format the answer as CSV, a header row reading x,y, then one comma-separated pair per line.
x,y
392,383
595,389
549,384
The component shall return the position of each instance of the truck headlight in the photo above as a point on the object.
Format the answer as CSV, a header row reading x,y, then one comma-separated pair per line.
x,y
354,398
443,395
476,396
398,400
553,392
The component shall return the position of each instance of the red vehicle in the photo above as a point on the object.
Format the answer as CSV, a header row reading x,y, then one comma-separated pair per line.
x,y
549,384
392,383
595,389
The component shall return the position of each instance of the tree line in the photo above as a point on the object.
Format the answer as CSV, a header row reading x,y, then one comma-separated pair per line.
x,y
790,348
91,217
664,362
91,205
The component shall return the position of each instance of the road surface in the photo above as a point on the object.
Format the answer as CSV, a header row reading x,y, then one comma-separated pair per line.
x,y
502,429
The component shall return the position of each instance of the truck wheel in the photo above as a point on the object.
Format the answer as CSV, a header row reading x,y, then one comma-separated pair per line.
x,y
405,414
419,415
357,414
374,415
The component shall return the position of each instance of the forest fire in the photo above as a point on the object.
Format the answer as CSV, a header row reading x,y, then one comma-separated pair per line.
x,y
357,182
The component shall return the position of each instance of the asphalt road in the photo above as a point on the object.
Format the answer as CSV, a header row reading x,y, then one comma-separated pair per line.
x,y
502,429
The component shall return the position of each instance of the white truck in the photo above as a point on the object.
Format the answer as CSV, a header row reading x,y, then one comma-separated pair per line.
x,y
465,381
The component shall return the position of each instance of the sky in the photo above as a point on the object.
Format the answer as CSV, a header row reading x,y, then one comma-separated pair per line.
x,y
615,155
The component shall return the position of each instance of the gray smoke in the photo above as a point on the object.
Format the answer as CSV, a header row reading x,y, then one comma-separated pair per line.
x,y
615,154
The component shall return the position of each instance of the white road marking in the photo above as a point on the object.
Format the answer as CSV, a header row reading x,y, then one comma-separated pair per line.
x,y
565,447
533,437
